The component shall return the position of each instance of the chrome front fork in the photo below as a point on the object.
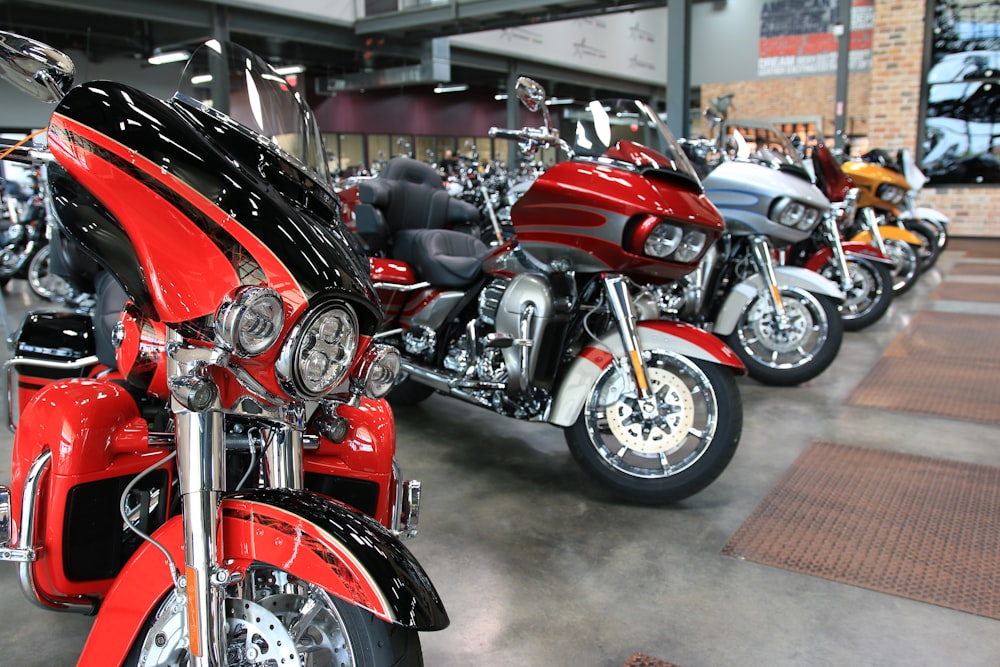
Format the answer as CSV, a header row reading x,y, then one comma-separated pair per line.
x,y
871,221
616,288
760,247
833,239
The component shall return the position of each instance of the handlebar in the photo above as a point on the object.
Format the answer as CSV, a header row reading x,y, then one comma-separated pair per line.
x,y
532,137
24,153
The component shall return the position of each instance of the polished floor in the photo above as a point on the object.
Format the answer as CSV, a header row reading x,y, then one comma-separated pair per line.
x,y
539,568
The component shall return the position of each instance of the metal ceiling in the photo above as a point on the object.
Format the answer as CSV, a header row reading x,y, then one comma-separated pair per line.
x,y
393,42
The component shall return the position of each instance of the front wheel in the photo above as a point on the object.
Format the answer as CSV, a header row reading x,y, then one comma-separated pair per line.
x,y
667,447
788,351
905,264
869,295
274,618
42,281
929,250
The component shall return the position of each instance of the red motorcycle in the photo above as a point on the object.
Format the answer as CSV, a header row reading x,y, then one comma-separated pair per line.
x,y
208,467
861,270
555,323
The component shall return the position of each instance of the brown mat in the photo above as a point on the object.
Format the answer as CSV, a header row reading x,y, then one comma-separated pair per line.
x,y
944,364
962,291
975,247
973,268
917,527
640,660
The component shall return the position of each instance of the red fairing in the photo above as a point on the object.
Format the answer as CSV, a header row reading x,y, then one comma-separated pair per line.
x,y
832,179
182,289
591,208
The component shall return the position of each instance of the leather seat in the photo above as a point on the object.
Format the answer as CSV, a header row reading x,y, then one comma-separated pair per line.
x,y
407,194
442,257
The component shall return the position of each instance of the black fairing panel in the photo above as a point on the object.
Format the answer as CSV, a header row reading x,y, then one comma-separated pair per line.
x,y
291,213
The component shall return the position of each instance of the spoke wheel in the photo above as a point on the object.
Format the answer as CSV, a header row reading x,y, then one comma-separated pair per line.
x,y
273,618
869,295
792,350
905,265
665,447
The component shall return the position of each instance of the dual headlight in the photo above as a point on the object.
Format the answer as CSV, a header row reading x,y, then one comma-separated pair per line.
x,y
318,352
890,193
791,213
675,243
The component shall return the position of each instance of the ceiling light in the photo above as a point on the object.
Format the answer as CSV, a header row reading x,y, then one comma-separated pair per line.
x,y
164,57
500,97
290,69
553,101
451,88
201,79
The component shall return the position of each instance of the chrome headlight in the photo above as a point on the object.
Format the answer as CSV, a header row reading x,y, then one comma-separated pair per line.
x,y
890,193
663,240
377,372
250,320
691,245
319,351
791,213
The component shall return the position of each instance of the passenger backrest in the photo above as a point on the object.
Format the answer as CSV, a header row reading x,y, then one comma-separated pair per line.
x,y
406,194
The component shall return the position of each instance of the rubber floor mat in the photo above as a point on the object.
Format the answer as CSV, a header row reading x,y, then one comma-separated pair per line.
x,y
640,660
967,291
943,364
922,528
975,247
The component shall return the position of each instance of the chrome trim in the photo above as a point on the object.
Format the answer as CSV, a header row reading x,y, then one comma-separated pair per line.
x,y
393,287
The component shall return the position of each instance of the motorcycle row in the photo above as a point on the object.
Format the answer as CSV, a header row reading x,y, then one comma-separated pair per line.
x,y
203,455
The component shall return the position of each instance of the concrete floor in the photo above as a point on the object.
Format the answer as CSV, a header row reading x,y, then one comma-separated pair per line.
x,y
538,567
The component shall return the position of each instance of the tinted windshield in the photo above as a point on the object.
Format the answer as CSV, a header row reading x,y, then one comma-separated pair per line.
x,y
231,80
761,144
619,129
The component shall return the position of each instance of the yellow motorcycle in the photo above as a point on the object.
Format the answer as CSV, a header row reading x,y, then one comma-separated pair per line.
x,y
881,191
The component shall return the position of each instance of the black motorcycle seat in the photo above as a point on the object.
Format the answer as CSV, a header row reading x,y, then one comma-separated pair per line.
x,y
442,257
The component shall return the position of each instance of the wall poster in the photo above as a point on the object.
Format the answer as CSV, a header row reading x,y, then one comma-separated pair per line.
x,y
962,120
796,37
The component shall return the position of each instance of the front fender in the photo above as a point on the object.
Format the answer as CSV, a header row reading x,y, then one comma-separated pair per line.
x,y
890,232
852,250
308,535
678,337
787,276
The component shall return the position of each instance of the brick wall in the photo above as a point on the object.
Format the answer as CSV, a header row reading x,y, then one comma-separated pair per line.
x,y
885,104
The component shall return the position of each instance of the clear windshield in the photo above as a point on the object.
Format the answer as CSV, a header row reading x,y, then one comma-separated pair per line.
x,y
761,144
231,80
620,129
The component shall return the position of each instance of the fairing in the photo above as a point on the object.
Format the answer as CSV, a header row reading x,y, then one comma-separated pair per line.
x,y
868,176
584,211
187,204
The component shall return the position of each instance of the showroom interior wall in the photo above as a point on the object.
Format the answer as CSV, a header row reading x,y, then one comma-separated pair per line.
x,y
883,102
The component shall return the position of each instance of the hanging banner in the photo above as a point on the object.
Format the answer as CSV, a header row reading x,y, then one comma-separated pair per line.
x,y
797,38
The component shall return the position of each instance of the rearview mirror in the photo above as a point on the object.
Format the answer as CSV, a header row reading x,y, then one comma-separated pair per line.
x,y
35,68
531,93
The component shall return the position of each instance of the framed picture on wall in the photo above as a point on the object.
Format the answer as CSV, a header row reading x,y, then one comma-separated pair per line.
x,y
962,120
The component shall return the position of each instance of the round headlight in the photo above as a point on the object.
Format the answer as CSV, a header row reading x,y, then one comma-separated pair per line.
x,y
890,193
319,351
663,240
792,214
378,370
250,320
691,245
809,219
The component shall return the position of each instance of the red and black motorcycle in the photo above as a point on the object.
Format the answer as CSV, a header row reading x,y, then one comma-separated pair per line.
x,y
863,272
555,324
207,464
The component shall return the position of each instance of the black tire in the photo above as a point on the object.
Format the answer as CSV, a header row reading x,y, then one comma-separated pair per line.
x,y
409,392
44,283
794,354
905,265
929,250
339,635
707,421
869,296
